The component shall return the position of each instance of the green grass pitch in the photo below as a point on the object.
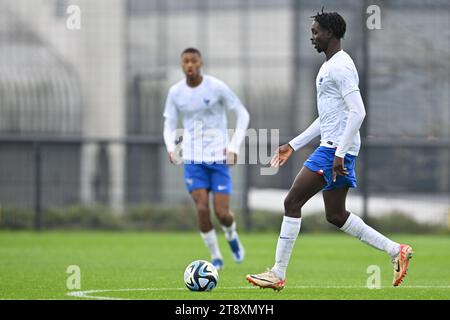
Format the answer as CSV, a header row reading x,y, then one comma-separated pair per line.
x,y
150,265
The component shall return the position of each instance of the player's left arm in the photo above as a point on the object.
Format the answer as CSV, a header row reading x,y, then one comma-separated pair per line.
x,y
356,116
242,121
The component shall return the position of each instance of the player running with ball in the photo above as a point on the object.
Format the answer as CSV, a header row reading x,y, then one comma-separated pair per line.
x,y
202,102
331,167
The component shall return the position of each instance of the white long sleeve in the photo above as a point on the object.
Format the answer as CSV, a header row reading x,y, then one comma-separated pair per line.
x,y
170,127
242,121
306,136
355,119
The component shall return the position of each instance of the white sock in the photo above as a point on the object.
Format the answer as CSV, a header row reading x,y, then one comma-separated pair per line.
x,y
290,228
230,232
212,244
356,227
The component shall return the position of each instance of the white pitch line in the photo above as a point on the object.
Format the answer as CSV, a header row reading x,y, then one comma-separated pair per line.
x,y
87,294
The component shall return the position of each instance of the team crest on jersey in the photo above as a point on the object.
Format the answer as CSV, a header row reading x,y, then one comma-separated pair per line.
x,y
206,101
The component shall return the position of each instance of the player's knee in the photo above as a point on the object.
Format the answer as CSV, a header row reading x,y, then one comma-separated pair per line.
x,y
292,207
222,213
202,209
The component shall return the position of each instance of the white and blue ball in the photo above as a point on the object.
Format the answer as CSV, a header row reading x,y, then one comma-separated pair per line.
x,y
201,275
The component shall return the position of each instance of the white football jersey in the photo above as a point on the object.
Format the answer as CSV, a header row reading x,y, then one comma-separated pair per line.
x,y
203,110
336,78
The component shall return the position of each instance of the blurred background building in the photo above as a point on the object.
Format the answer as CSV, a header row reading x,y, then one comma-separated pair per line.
x,y
81,109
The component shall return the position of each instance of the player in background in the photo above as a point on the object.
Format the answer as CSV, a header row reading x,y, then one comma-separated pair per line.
x,y
201,101
331,167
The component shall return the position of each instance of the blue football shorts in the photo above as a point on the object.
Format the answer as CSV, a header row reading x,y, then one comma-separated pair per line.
x,y
214,177
321,162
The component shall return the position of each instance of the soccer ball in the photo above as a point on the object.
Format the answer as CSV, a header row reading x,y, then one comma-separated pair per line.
x,y
200,275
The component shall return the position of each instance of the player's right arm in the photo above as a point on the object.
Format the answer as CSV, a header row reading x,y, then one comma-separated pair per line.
x,y
170,127
284,152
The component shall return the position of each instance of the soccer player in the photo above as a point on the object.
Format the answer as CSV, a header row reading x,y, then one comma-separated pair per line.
x,y
331,167
202,101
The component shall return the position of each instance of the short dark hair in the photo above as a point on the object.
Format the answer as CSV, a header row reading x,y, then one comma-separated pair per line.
x,y
331,21
191,50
